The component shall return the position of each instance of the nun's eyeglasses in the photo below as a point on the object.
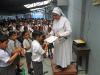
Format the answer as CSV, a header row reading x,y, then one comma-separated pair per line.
x,y
54,15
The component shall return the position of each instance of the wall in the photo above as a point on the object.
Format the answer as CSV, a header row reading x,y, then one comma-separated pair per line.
x,y
62,2
64,9
92,36
74,15
91,30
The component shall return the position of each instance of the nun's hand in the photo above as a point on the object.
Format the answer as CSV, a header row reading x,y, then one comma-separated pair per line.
x,y
58,35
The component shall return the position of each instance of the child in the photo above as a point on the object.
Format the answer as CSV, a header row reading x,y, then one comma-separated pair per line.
x,y
27,46
13,43
37,52
6,67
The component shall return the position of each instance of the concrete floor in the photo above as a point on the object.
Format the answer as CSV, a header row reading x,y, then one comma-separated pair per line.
x,y
46,67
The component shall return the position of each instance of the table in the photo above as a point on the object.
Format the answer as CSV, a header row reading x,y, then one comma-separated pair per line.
x,y
82,51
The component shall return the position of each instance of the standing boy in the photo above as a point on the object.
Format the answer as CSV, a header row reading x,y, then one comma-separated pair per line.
x,y
37,52
6,60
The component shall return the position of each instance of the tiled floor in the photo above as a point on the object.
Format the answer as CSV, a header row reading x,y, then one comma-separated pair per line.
x,y
46,67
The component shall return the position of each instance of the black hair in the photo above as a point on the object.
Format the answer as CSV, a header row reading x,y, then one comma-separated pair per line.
x,y
12,33
36,33
23,33
25,28
3,37
17,27
10,28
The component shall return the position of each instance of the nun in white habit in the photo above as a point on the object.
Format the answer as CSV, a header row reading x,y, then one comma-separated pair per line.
x,y
63,46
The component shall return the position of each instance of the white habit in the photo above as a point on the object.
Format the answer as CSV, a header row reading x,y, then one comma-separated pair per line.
x,y
62,46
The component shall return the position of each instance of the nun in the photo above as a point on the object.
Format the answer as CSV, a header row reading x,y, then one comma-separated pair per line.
x,y
63,46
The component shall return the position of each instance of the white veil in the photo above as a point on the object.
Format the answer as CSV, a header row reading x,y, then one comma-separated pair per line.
x,y
58,11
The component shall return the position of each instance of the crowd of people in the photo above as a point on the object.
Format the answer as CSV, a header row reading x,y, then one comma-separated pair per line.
x,y
25,37
19,36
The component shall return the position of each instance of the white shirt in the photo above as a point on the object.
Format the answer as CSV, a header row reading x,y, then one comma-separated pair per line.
x,y
14,28
37,51
4,57
21,28
26,44
12,45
